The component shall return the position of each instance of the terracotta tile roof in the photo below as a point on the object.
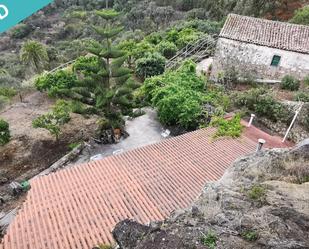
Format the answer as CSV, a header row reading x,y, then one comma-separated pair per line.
x,y
268,33
78,207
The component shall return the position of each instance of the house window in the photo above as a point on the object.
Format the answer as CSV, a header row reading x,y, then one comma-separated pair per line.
x,y
276,60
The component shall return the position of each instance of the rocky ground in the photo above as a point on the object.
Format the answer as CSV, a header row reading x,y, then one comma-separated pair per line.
x,y
262,201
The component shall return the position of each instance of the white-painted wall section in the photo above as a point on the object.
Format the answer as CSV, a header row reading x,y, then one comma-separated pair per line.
x,y
255,60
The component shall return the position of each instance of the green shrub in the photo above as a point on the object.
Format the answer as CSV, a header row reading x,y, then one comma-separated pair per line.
x,y
152,64
53,120
301,16
257,193
4,132
267,106
55,83
8,92
290,83
302,96
248,98
260,101
250,235
167,49
20,31
210,240
227,128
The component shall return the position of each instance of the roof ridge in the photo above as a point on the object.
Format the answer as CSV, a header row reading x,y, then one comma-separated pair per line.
x,y
269,33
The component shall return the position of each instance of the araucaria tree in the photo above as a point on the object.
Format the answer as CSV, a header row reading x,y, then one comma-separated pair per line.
x,y
111,78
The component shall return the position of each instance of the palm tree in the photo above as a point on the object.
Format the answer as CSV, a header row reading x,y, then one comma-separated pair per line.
x,y
34,54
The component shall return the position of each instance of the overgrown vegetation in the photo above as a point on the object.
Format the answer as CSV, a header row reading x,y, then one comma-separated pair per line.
x,y
290,83
210,240
227,127
262,102
4,132
181,97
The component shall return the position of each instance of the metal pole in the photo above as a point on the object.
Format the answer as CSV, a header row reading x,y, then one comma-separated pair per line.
x,y
293,121
251,120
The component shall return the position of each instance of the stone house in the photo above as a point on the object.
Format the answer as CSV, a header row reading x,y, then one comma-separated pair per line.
x,y
262,49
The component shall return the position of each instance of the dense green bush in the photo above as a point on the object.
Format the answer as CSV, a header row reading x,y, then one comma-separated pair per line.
x,y
227,128
167,49
150,65
180,96
302,96
267,106
184,36
248,98
4,132
261,101
21,31
56,83
290,83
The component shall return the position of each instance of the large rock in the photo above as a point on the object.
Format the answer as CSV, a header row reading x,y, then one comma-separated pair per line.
x,y
260,202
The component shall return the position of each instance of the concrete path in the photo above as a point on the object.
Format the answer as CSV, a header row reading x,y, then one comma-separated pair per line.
x,y
143,130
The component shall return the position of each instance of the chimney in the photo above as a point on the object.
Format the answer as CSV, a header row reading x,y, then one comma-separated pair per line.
x,y
260,144
251,120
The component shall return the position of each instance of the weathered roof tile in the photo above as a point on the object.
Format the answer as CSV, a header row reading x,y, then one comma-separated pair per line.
x,y
78,207
280,35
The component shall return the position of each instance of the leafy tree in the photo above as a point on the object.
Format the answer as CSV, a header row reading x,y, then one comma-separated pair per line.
x,y
179,97
150,65
4,132
53,120
301,16
56,84
34,54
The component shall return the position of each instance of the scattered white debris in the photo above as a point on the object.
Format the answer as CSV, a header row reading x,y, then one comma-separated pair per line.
x,y
117,152
96,157
166,133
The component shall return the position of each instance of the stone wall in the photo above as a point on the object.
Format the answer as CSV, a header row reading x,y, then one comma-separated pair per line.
x,y
255,61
